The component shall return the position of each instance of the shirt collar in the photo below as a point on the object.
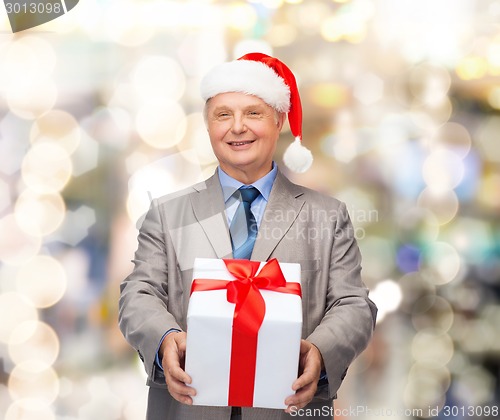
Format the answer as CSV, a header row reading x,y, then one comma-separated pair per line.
x,y
264,185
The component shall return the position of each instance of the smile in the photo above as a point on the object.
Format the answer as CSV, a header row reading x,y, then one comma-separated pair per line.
x,y
240,143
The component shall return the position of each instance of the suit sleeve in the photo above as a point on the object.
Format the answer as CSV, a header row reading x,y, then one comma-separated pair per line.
x,y
143,307
349,319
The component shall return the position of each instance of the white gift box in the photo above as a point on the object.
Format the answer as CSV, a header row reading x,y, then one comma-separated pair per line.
x,y
209,339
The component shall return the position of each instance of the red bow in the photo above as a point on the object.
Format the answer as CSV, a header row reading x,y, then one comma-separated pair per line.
x,y
248,317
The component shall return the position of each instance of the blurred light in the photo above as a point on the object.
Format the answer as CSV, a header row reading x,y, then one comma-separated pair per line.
x,y
476,248
488,193
308,16
494,55
343,26
402,164
109,125
429,84
272,4
344,144
58,127
417,225
14,134
14,310
158,77
432,311
5,199
241,16
76,225
414,286
360,206
472,67
475,385
161,124
443,204
86,156
466,298
328,95
34,341
46,168
25,61
441,262
494,97
428,116
197,140
432,346
442,171
42,280
146,184
164,176
103,403
39,215
487,139
369,89
473,171
426,387
32,100
453,137
348,23
133,28
387,295
135,161
282,34
491,315
16,246
378,256
29,410
246,46
34,381
408,258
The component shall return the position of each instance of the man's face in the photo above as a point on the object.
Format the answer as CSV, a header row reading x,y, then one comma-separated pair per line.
x,y
243,131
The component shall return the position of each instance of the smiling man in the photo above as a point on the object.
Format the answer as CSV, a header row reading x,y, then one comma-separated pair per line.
x,y
247,101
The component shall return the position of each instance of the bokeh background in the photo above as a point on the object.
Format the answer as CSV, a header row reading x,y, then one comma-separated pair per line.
x,y
100,112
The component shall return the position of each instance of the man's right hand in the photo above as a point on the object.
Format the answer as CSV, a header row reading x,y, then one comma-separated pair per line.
x,y
172,353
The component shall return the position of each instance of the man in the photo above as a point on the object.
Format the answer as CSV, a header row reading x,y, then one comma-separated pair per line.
x,y
247,101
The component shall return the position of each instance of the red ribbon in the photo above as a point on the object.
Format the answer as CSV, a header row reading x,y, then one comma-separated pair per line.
x,y
248,317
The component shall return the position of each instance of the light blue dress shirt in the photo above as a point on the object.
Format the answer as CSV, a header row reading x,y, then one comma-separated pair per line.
x,y
230,185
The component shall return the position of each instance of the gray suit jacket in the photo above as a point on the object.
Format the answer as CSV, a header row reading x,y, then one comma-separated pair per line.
x,y
298,225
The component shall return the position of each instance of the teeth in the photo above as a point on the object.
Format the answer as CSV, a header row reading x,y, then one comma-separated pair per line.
x,y
240,143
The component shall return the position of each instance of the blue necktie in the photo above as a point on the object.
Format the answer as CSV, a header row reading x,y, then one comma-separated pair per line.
x,y
243,227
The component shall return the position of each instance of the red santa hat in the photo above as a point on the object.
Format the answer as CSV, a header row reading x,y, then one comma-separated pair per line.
x,y
272,81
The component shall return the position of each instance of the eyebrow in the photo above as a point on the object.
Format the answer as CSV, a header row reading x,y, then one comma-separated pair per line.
x,y
249,107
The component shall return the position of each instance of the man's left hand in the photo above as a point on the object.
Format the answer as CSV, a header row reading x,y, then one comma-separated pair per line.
x,y
305,385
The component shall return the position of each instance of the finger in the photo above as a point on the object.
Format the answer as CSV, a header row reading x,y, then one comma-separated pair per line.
x,y
184,399
172,361
179,388
301,398
174,370
307,377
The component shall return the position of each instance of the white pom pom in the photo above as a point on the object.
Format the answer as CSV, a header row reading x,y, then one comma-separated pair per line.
x,y
298,158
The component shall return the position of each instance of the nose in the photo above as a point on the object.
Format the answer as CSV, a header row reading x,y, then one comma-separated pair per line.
x,y
239,125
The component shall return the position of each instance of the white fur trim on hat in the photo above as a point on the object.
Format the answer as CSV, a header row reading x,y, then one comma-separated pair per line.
x,y
297,158
250,77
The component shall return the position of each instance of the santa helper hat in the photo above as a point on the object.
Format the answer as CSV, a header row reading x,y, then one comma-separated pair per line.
x,y
272,81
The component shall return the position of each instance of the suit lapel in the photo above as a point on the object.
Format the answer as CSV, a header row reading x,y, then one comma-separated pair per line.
x,y
209,210
285,203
